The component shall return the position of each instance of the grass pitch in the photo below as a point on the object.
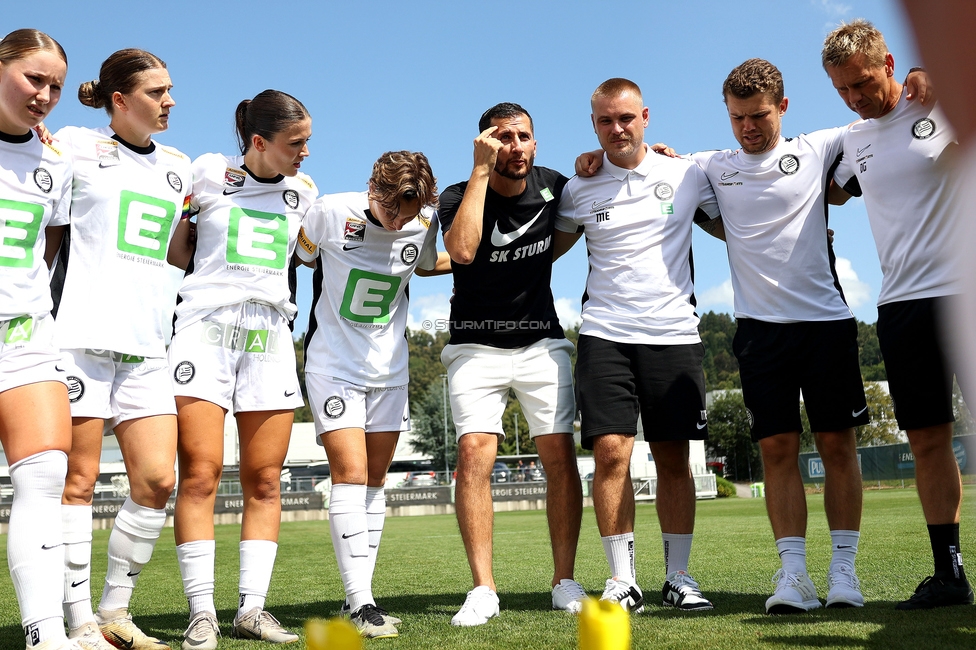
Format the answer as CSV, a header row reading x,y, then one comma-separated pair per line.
x,y
422,576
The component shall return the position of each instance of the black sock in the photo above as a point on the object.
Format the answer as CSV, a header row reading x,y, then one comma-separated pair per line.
x,y
945,550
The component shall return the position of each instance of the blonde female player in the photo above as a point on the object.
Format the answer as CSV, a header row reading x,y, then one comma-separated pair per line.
x,y
128,195
35,423
233,350
368,245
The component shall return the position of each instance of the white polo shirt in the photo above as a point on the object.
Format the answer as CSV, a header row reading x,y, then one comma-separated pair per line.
x,y
774,211
900,163
638,224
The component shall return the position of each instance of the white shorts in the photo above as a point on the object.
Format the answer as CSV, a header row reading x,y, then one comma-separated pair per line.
x,y
117,387
339,404
27,353
541,375
239,357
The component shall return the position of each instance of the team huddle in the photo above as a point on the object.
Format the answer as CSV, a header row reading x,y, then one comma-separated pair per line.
x,y
91,218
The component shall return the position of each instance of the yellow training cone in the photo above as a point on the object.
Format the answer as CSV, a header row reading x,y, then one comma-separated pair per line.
x,y
603,625
334,634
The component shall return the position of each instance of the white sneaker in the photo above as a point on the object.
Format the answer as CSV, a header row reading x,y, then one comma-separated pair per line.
x,y
119,630
568,596
371,624
89,637
680,590
844,588
202,632
480,605
57,644
794,593
260,625
628,595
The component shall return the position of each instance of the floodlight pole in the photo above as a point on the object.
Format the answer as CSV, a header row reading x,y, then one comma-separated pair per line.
x,y
447,467
516,435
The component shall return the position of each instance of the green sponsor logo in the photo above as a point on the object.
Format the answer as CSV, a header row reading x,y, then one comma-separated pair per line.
x,y
20,224
131,358
19,330
667,208
368,296
257,238
145,223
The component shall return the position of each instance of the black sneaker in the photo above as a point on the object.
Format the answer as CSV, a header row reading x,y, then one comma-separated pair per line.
x,y
936,592
371,623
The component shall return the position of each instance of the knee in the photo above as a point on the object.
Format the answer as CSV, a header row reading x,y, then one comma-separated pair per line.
x,y
927,444
611,457
198,481
263,484
79,487
837,448
158,485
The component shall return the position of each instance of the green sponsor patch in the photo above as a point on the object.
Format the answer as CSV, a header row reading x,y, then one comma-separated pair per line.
x,y
145,223
368,296
19,330
257,238
20,224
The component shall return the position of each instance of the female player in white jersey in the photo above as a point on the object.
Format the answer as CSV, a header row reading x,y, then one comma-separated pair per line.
x,y
233,350
128,195
35,422
368,245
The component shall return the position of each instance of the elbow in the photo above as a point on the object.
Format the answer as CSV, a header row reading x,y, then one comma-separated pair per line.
x,y
463,258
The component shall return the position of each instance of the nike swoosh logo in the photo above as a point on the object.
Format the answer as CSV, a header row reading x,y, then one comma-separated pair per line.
x,y
347,247
78,584
857,413
58,369
344,536
600,204
133,575
125,643
45,547
860,150
500,239
404,418
844,545
727,175
701,425
287,394
227,193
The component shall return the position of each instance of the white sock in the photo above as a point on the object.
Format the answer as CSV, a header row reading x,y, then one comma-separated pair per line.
x,y
129,548
196,560
375,518
76,522
350,539
35,555
793,554
844,545
677,550
257,563
620,555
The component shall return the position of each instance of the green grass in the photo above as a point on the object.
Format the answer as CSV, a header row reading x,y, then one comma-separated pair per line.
x,y
422,577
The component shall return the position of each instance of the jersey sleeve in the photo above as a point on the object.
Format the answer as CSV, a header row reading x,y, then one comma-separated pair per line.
x,y
428,252
201,170
708,203
845,176
312,231
566,220
62,211
449,202
829,143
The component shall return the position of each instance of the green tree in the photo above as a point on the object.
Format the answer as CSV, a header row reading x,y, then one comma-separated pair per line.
x,y
720,366
869,352
425,361
729,436
303,413
428,421
964,423
883,429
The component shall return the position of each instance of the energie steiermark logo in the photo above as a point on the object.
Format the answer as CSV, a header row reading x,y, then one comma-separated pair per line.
x,y
257,238
20,224
145,224
368,296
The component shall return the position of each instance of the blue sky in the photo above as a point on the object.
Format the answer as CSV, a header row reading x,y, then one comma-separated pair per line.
x,y
384,75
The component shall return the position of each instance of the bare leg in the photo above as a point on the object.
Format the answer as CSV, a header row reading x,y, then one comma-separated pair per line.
x,y
564,506
675,500
476,456
613,494
842,487
786,502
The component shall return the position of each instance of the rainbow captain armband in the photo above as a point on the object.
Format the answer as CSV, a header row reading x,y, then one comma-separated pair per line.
x,y
306,245
186,213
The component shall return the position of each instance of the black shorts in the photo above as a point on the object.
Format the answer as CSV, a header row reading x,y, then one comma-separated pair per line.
x,y
664,384
779,360
919,375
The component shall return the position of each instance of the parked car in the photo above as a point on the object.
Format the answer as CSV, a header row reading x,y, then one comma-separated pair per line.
x,y
533,473
500,473
420,479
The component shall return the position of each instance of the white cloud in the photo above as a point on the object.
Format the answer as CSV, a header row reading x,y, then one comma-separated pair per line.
x,y
833,8
718,298
429,312
568,310
856,292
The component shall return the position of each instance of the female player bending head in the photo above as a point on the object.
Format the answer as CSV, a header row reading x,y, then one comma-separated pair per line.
x,y
233,350
369,244
35,423
128,194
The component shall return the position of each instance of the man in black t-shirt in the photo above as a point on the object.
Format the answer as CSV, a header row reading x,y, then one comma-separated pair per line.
x,y
505,335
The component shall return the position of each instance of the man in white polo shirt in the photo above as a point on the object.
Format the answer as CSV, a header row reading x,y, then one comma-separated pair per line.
x,y
897,157
639,353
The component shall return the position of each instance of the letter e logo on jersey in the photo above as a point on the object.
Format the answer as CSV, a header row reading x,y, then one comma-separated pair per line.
x,y
368,297
145,224
663,191
76,389
789,164
409,254
42,178
257,238
923,129
184,372
290,197
334,407
174,181
20,224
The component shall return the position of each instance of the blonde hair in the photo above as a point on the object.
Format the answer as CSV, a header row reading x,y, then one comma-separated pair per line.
x,y
21,43
858,36
402,176
614,88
